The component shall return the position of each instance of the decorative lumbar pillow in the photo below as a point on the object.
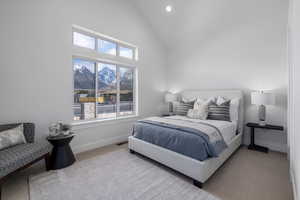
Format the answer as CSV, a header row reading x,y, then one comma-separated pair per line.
x,y
12,137
200,113
181,108
219,112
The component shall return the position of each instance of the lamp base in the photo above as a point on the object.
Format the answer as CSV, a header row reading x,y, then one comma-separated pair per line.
x,y
170,107
262,115
262,123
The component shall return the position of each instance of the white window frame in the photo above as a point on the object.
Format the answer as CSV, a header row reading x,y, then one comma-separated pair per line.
x,y
94,55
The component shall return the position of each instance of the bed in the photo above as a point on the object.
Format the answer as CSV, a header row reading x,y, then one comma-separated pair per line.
x,y
179,153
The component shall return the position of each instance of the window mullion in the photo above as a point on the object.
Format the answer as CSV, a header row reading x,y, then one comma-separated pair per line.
x,y
96,82
96,88
118,50
134,82
118,91
96,44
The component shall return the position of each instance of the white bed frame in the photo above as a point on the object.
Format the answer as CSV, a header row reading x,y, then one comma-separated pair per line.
x,y
199,171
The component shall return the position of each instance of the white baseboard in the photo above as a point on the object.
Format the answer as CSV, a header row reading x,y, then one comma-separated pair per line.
x,y
294,184
99,143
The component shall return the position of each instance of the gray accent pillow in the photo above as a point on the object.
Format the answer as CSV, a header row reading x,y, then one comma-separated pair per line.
x,y
12,137
219,112
182,108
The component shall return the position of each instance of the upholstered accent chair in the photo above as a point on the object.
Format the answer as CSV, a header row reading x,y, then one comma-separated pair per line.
x,y
21,156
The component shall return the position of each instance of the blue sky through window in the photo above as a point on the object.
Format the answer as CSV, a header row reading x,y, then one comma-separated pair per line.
x,y
126,52
107,47
83,40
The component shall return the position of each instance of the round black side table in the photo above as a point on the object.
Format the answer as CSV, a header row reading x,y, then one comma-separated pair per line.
x,y
61,155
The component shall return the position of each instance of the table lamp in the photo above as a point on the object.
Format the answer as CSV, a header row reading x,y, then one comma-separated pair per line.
x,y
170,98
262,99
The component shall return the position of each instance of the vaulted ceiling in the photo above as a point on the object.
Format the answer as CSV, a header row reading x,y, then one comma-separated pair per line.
x,y
195,21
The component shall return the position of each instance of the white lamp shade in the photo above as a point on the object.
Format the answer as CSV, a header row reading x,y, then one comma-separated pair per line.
x,y
261,98
170,97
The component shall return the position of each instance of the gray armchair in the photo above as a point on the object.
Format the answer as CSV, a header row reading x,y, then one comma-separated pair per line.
x,y
21,156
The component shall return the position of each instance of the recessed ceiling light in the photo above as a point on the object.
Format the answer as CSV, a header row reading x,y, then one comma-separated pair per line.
x,y
169,8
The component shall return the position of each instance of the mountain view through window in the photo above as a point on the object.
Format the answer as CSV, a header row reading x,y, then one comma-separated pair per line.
x,y
100,99
103,90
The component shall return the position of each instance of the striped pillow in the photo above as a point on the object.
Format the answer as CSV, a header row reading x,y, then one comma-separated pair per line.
x,y
219,112
183,107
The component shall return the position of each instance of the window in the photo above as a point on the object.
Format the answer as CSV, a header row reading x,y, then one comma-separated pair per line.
x,y
103,89
84,89
107,47
83,40
126,91
126,52
107,91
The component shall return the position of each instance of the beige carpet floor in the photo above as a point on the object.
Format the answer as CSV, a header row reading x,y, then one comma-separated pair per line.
x,y
247,175
116,175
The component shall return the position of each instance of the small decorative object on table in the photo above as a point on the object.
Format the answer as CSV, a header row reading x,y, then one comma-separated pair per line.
x,y
59,129
60,137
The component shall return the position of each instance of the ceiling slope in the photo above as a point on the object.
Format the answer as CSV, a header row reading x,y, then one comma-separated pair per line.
x,y
196,21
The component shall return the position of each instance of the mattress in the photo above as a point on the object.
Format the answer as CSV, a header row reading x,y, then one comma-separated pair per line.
x,y
180,138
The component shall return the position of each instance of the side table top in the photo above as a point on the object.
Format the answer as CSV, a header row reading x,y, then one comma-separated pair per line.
x,y
267,126
60,137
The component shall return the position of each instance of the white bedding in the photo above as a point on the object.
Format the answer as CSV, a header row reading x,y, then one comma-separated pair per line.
x,y
227,129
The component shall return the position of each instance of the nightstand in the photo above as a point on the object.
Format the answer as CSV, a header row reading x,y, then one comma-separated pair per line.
x,y
252,145
166,115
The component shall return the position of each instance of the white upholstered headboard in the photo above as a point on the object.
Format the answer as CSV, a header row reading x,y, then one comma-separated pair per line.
x,y
191,95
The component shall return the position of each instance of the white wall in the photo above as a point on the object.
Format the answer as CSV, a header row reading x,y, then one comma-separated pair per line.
x,y
244,47
36,62
294,94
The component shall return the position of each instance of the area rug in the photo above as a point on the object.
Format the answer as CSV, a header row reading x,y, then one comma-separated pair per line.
x,y
117,175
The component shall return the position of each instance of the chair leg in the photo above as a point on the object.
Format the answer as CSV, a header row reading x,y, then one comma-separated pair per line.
x,y
47,162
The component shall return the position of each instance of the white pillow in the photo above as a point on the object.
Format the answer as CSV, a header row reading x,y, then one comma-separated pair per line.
x,y
200,113
185,100
199,102
12,137
220,100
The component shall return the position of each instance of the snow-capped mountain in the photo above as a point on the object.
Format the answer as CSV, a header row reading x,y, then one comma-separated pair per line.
x,y
106,77
85,79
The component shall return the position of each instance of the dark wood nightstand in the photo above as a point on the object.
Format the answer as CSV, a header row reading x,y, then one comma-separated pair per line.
x,y
252,145
166,115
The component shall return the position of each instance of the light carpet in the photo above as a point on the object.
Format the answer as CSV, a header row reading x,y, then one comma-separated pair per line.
x,y
117,175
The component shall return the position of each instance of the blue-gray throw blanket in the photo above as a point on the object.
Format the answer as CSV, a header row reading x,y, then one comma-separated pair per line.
x,y
185,140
